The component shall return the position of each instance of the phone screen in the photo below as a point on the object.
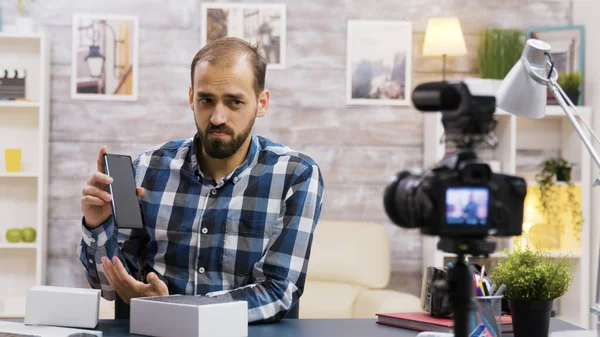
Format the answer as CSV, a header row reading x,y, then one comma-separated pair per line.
x,y
125,204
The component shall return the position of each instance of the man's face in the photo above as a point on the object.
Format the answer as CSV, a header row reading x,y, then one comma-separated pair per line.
x,y
225,105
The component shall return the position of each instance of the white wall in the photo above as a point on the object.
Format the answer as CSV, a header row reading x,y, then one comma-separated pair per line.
x,y
585,12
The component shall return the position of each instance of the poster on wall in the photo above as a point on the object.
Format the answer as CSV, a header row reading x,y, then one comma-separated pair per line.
x,y
567,43
264,24
378,62
104,63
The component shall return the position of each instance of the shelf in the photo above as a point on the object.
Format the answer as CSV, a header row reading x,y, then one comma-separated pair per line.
x,y
18,245
553,111
501,255
20,36
18,104
18,175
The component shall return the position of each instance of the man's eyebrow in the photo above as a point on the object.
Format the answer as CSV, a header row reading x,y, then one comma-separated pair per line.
x,y
228,95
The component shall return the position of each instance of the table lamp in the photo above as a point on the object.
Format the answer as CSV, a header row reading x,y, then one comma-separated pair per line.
x,y
523,93
444,37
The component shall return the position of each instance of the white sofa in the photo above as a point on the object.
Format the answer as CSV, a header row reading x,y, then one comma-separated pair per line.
x,y
348,272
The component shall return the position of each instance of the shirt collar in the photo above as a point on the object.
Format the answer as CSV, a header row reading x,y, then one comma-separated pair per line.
x,y
249,162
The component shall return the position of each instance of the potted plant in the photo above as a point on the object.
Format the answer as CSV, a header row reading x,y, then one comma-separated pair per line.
x,y
533,281
558,170
24,23
570,82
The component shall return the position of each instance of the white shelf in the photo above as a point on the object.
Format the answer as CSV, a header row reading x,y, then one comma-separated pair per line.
x,y
552,110
32,245
18,104
20,36
18,175
501,255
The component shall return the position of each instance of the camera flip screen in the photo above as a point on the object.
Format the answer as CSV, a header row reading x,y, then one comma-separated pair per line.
x,y
467,205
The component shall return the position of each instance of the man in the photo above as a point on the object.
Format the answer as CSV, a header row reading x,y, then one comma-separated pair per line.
x,y
227,213
470,211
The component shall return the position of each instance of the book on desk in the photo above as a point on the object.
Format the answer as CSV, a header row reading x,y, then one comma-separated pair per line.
x,y
423,321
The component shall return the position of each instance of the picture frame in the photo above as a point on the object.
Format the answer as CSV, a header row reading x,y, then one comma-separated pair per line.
x,y
105,57
568,50
252,22
379,62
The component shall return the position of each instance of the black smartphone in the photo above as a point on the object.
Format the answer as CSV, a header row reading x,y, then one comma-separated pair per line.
x,y
125,204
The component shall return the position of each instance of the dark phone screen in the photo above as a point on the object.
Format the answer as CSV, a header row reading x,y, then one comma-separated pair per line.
x,y
125,204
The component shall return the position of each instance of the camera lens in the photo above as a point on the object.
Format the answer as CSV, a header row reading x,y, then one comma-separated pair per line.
x,y
399,199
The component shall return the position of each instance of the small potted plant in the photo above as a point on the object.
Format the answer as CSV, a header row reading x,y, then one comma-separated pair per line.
x,y
570,82
497,52
24,23
533,281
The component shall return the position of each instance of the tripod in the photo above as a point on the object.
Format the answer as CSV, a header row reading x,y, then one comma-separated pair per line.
x,y
459,285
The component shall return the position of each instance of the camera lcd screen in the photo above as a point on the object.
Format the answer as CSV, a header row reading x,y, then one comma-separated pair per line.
x,y
467,205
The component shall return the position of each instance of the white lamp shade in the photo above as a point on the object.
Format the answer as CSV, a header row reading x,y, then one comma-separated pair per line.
x,y
444,36
519,94
95,65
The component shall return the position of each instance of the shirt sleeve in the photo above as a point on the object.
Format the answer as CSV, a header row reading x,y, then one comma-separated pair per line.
x,y
282,276
106,240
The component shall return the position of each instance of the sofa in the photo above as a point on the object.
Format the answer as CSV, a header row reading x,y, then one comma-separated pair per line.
x,y
348,272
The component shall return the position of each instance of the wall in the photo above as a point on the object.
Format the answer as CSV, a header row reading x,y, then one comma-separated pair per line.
x,y
583,14
357,147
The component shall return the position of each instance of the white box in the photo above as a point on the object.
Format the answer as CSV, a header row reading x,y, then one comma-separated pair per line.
x,y
62,306
188,316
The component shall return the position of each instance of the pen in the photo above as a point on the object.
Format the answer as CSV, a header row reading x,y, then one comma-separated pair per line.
x,y
500,290
486,292
492,289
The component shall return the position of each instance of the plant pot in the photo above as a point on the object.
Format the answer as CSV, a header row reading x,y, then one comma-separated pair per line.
x,y
530,318
573,95
563,174
25,25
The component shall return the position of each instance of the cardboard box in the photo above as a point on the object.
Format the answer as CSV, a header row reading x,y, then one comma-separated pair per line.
x,y
62,306
186,315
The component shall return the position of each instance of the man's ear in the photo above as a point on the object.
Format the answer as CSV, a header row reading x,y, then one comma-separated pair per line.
x,y
191,97
263,103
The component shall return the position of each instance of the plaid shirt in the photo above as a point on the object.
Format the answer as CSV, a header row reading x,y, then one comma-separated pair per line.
x,y
247,237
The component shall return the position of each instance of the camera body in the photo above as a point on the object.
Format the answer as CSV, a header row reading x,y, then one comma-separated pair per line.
x,y
459,197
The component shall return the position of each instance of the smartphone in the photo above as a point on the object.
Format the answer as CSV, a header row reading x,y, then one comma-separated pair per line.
x,y
125,203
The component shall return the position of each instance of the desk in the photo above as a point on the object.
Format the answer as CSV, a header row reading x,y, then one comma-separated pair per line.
x,y
311,328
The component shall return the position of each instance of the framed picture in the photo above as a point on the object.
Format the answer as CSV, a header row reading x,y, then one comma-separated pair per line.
x,y
104,63
567,52
378,62
256,23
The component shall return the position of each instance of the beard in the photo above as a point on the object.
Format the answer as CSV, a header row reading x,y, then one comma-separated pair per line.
x,y
219,148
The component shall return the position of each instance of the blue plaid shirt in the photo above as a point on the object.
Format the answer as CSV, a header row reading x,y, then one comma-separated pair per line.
x,y
247,237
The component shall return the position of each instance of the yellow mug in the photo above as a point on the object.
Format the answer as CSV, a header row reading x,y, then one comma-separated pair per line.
x,y
13,160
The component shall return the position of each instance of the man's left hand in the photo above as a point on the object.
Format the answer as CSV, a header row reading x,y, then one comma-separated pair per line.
x,y
128,287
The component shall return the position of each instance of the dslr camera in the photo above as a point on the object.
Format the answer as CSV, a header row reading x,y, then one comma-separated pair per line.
x,y
459,197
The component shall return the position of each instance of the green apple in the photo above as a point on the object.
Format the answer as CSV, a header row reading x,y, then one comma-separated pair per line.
x,y
13,235
29,234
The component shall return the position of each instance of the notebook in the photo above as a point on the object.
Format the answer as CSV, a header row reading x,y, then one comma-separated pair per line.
x,y
423,321
15,329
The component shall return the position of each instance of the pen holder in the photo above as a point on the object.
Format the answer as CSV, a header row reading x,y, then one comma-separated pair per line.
x,y
488,312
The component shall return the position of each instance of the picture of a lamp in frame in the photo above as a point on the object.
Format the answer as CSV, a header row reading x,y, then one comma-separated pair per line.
x,y
104,57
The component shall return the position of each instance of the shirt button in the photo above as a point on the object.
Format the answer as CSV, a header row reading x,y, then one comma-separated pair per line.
x,y
201,270
93,240
213,192
91,261
235,180
204,230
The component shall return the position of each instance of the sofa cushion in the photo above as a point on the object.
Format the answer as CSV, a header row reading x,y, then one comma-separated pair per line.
x,y
350,252
327,300
371,302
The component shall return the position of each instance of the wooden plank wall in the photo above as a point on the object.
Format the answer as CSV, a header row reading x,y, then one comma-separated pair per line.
x,y
357,147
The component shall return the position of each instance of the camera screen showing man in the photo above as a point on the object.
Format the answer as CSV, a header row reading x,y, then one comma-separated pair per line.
x,y
467,205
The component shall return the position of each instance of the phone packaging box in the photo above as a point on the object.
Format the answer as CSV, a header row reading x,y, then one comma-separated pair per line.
x,y
187,315
62,306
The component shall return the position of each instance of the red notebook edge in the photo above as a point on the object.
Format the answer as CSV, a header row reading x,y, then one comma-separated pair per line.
x,y
423,321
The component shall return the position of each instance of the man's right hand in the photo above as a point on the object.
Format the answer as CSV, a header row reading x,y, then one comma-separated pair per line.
x,y
95,202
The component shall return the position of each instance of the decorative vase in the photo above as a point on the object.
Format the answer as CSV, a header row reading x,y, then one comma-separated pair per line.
x,y
25,24
530,318
573,95
13,160
563,174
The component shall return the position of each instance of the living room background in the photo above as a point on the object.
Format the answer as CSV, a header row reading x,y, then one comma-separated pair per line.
x,y
357,147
